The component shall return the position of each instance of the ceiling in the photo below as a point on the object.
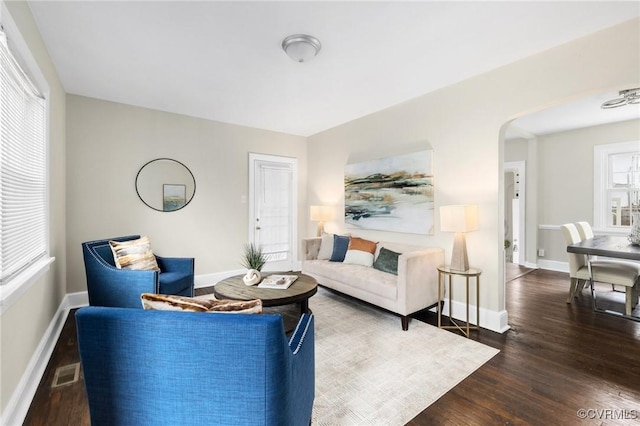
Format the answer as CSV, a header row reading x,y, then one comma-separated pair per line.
x,y
223,61
581,113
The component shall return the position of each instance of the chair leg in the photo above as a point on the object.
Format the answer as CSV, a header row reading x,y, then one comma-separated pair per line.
x,y
582,285
572,289
628,300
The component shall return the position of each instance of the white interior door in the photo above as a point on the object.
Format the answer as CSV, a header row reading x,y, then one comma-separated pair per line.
x,y
515,207
272,209
515,227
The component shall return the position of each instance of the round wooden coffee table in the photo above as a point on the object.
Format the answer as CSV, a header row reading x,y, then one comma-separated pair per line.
x,y
299,292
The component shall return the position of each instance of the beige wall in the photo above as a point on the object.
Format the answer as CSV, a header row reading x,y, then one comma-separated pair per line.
x,y
464,124
565,178
22,326
107,143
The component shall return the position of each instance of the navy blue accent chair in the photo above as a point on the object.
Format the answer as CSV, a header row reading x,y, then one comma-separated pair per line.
x,y
110,286
144,367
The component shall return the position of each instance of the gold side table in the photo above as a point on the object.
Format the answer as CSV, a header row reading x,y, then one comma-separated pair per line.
x,y
444,271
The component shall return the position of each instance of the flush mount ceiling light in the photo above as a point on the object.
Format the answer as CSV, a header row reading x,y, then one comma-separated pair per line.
x,y
301,47
629,96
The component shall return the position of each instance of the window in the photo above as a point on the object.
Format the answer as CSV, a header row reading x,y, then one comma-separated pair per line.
x,y
23,169
616,185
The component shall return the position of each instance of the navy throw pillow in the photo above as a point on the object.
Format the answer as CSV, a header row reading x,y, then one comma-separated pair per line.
x,y
340,246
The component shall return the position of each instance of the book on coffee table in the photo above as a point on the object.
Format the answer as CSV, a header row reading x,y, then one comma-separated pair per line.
x,y
278,281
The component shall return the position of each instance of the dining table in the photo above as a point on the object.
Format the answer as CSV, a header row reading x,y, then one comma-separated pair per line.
x,y
614,246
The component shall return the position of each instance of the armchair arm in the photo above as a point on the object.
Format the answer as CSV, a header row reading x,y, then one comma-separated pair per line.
x,y
110,286
418,279
176,264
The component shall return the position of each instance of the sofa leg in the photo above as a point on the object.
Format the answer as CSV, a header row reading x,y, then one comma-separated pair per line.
x,y
405,322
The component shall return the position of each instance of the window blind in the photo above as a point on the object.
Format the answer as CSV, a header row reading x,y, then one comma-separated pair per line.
x,y
23,157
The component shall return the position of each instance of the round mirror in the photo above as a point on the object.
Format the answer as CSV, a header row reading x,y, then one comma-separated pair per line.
x,y
165,185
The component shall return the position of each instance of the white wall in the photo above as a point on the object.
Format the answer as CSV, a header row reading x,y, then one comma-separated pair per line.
x,y
464,124
107,143
565,178
24,323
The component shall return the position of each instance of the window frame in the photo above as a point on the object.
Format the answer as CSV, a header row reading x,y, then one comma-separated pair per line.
x,y
601,175
12,291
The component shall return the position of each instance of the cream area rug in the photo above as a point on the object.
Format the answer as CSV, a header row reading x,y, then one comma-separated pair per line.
x,y
370,372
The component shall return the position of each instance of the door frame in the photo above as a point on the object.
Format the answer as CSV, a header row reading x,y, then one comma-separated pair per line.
x,y
293,235
519,167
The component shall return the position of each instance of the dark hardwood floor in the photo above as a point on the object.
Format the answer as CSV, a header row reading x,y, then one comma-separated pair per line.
x,y
555,361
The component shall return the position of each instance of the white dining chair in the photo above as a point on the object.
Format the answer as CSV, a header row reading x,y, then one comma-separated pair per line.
x,y
585,231
618,273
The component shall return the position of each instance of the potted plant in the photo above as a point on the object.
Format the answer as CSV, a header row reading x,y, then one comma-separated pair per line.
x,y
253,259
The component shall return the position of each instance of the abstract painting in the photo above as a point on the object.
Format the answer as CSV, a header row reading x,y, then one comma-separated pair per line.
x,y
391,194
174,197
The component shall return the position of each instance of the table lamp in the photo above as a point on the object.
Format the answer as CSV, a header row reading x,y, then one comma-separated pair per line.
x,y
320,214
459,219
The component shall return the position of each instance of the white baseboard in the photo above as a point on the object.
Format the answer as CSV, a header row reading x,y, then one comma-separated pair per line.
x,y
208,280
553,265
18,406
491,320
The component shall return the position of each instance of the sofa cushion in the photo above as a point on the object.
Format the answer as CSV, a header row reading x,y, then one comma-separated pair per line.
x,y
326,247
387,261
163,302
368,279
360,252
134,254
340,247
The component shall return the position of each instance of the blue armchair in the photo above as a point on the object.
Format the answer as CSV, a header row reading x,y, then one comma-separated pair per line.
x,y
110,286
184,368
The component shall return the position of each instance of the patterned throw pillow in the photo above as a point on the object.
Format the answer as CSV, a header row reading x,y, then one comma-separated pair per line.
x,y
163,302
340,246
134,254
360,252
387,261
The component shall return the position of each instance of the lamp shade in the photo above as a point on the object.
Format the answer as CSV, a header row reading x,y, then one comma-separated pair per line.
x,y
320,213
459,218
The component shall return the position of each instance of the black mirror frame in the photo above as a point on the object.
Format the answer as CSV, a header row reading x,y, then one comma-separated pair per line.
x,y
175,161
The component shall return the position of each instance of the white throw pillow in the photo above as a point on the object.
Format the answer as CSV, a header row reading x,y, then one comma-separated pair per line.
x,y
360,252
357,257
326,247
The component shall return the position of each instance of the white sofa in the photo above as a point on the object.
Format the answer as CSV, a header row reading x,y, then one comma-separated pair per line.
x,y
413,289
